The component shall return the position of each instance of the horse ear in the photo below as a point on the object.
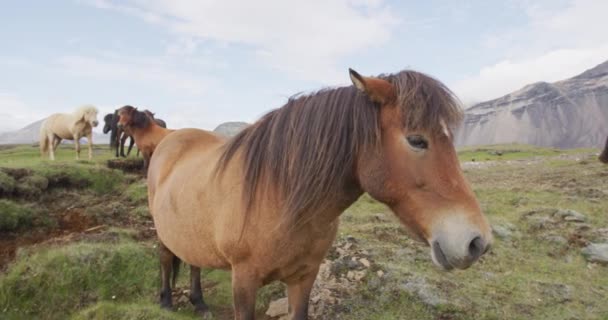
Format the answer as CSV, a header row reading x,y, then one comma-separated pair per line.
x,y
378,90
357,79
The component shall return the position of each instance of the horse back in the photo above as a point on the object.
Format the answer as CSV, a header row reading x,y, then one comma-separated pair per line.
x,y
178,147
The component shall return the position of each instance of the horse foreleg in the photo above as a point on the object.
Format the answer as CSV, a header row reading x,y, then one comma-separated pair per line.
x,y
147,155
196,292
90,145
298,294
166,270
131,142
245,284
117,141
77,146
123,138
52,146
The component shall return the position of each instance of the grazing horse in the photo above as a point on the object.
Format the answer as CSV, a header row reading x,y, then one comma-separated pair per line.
x,y
265,204
604,156
145,130
71,126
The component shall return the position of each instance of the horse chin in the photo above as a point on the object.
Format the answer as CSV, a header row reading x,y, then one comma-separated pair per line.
x,y
439,258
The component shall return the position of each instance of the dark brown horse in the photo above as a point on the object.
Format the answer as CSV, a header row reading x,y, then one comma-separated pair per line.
x,y
118,137
145,130
265,204
604,156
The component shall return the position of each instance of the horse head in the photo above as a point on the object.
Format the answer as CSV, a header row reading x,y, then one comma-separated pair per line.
x,y
130,117
109,121
414,169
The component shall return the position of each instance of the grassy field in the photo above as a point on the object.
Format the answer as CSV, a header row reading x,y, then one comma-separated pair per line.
x,y
87,248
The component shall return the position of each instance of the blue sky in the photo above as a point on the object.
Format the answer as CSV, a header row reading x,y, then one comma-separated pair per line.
x,y
198,63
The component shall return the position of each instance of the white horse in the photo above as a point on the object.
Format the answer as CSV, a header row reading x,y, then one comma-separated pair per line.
x,y
70,127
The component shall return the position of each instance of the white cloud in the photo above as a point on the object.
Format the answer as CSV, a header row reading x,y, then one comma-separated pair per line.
x,y
558,42
147,70
304,38
506,76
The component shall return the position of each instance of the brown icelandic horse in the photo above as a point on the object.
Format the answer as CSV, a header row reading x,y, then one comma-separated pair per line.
x,y
145,130
265,204
604,156
118,137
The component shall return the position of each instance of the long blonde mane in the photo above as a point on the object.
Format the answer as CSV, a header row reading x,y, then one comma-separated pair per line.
x,y
86,109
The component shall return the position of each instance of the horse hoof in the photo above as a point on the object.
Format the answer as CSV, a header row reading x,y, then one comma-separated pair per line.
x,y
167,307
205,314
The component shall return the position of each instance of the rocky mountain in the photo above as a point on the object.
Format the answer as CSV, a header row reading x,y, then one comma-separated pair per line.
x,y
571,113
230,129
31,134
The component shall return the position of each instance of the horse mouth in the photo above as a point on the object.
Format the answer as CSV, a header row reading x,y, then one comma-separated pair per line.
x,y
439,257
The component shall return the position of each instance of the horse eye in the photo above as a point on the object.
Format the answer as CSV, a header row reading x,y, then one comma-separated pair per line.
x,y
417,142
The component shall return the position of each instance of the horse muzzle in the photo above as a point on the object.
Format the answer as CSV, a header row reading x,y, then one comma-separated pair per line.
x,y
458,244
95,123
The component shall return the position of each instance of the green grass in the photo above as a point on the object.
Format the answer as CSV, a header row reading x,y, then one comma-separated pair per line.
x,y
137,192
14,216
29,156
109,311
522,278
54,282
512,152
96,177
7,183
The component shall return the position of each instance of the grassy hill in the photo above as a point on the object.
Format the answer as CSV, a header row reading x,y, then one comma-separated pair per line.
x,y
77,242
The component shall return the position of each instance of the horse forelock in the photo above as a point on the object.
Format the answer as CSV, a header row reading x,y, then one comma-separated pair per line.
x,y
426,103
86,111
306,151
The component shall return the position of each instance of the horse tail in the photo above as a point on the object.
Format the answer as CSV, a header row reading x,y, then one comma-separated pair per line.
x,y
176,264
44,141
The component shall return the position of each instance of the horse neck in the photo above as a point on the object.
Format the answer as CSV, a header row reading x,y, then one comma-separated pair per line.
x,y
152,133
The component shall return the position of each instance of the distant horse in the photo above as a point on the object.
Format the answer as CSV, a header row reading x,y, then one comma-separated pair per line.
x,y
118,137
604,155
70,127
145,130
265,204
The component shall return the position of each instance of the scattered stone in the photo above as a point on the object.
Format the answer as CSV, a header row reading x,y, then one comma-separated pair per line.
x,y
350,238
359,275
557,292
556,239
502,232
419,287
596,252
380,273
570,215
540,223
350,275
278,308
365,262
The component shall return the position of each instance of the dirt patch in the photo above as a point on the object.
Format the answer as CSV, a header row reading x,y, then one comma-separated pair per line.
x,y
127,165
70,221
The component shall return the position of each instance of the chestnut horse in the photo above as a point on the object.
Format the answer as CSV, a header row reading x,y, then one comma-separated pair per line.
x,y
265,204
604,156
145,130
118,137
68,126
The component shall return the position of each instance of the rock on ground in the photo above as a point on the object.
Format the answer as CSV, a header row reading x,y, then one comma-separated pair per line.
x,y
596,252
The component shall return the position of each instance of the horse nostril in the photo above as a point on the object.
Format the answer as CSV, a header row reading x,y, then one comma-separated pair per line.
x,y
476,248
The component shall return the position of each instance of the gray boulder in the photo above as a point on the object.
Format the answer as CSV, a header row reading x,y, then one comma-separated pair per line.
x,y
596,252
